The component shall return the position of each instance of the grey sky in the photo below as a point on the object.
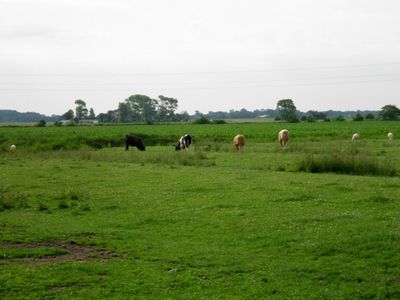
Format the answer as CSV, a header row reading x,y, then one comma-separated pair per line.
x,y
209,54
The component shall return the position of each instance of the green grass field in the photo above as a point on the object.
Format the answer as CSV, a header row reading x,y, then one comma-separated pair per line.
x,y
81,218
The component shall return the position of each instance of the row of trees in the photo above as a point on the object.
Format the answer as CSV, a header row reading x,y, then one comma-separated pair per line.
x,y
311,115
141,108
286,110
136,108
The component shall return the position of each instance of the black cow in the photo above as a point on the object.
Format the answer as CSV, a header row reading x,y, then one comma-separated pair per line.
x,y
134,141
184,142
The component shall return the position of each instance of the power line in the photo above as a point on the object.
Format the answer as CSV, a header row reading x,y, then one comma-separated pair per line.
x,y
205,72
193,88
364,76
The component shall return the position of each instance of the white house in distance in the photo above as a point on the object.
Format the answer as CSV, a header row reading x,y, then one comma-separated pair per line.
x,y
81,122
88,122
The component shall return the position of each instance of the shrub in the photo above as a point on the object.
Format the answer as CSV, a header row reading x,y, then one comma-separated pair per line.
x,y
310,119
219,122
340,118
41,123
358,117
202,120
369,116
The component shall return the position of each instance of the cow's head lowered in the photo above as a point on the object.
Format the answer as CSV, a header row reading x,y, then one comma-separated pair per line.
x,y
134,141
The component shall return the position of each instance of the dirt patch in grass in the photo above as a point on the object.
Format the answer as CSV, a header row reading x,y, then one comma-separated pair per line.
x,y
65,251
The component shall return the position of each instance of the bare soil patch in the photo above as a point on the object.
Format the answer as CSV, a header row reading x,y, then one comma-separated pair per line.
x,y
74,252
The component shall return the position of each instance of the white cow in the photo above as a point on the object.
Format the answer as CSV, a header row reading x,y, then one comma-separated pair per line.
x,y
184,142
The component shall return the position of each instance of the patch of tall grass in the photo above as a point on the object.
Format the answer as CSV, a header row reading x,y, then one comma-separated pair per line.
x,y
9,200
184,158
350,163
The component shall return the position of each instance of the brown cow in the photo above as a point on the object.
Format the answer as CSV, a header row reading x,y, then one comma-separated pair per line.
x,y
238,140
283,137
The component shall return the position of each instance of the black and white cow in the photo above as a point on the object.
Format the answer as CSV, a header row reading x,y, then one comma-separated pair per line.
x,y
134,141
184,142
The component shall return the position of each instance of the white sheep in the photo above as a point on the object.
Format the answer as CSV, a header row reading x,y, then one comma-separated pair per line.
x,y
355,136
390,136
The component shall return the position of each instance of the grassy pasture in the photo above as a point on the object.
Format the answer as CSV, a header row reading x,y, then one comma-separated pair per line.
x,y
63,138
208,223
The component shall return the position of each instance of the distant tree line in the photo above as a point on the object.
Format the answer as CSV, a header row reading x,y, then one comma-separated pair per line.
x,y
143,109
286,110
8,116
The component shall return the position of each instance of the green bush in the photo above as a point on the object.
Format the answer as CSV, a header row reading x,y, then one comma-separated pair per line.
x,y
340,118
219,122
370,116
358,117
41,123
202,120
310,119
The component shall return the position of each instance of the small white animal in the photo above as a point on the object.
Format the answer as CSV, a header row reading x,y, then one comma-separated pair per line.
x,y
13,147
390,136
355,136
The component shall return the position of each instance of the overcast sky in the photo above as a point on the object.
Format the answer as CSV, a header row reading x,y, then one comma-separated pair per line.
x,y
210,54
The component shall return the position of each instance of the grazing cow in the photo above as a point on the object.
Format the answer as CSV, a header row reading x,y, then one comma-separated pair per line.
x,y
184,142
283,137
238,140
134,141
355,136
390,136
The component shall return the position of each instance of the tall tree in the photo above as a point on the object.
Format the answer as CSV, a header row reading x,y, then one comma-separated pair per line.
x,y
110,116
183,116
142,108
92,114
166,108
81,112
287,110
124,113
389,112
69,115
